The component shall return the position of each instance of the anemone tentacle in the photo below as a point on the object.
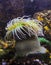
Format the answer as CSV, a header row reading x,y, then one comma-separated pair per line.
x,y
20,24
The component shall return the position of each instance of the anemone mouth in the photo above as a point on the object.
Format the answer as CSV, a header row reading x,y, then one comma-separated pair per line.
x,y
21,22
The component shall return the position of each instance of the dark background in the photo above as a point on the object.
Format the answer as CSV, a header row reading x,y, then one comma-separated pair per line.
x,y
10,9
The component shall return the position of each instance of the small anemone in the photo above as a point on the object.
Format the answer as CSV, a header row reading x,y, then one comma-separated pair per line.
x,y
18,24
